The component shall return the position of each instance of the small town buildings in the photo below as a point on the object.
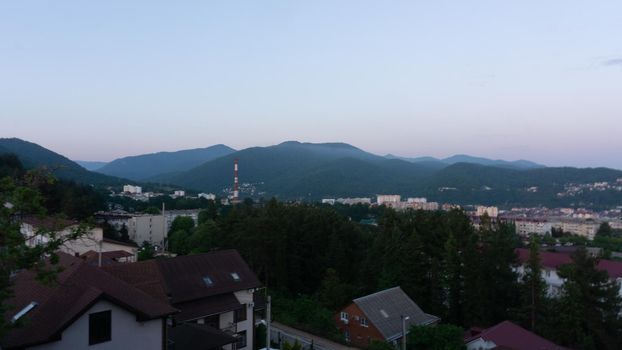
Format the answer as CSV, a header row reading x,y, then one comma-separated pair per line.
x,y
86,309
551,261
116,218
507,335
215,290
179,193
354,201
379,316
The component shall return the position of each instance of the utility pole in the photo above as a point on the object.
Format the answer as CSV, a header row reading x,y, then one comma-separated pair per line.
x,y
404,319
268,321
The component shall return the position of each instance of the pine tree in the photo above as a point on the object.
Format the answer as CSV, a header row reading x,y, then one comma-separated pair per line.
x,y
534,302
590,305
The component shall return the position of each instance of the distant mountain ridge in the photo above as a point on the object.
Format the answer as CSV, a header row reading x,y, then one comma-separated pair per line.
x,y
146,166
90,165
463,158
307,171
32,156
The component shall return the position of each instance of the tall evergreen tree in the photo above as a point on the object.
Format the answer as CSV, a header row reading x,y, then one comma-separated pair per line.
x,y
590,306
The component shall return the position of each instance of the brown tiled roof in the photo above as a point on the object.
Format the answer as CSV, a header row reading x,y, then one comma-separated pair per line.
x,y
144,275
183,275
206,307
78,287
48,223
554,260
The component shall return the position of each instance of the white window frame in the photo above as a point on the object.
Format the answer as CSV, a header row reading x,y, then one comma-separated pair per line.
x,y
344,316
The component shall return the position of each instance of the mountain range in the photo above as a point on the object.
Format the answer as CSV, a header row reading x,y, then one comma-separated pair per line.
x,y
463,158
309,171
143,167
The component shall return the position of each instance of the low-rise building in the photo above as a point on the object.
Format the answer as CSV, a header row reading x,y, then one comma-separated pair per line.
x,y
171,215
379,316
208,196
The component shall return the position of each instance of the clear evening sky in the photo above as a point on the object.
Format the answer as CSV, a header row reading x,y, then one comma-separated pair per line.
x,y
95,80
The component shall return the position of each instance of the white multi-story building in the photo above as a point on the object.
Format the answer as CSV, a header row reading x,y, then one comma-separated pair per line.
x,y
354,201
171,215
208,196
148,228
132,189
526,227
492,212
179,193
388,199
330,201
417,200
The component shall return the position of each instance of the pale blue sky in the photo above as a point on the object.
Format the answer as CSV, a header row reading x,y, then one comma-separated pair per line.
x,y
95,80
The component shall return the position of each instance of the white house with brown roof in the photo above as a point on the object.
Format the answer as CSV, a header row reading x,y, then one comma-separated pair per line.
x,y
86,309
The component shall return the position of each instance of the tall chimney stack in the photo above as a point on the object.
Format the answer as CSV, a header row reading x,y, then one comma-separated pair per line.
x,y
236,191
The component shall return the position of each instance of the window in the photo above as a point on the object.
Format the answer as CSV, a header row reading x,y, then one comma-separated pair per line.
x,y
344,316
240,314
241,342
384,313
235,277
100,327
213,321
208,281
364,322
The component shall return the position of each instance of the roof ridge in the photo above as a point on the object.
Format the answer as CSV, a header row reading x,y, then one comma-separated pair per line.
x,y
376,293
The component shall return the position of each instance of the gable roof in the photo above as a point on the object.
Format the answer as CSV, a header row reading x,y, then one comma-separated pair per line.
x,y
184,275
554,260
79,286
507,335
385,309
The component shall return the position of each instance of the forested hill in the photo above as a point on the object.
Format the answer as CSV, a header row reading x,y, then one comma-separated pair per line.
x,y
470,183
293,169
32,155
146,166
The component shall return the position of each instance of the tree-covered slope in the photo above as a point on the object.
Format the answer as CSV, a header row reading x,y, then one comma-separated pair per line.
x,y
32,155
146,166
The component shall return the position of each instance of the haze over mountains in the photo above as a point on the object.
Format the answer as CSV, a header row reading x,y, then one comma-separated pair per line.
x,y
308,171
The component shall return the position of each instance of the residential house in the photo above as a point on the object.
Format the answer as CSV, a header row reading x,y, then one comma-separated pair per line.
x,y
214,289
551,261
507,335
379,316
35,228
86,309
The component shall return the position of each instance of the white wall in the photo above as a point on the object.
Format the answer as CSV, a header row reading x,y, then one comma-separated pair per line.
x,y
127,333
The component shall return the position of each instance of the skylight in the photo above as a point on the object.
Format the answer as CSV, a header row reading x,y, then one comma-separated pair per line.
x,y
384,313
235,276
208,281
24,311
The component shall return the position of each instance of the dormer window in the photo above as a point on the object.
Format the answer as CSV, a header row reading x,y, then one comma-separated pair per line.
x,y
208,281
235,276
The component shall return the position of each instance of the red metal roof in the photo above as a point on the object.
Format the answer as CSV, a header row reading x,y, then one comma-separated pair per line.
x,y
507,335
553,260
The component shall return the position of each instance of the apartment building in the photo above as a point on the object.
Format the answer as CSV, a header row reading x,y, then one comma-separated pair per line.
x,y
147,228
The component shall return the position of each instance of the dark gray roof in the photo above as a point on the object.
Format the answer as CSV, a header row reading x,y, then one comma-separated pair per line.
x,y
385,308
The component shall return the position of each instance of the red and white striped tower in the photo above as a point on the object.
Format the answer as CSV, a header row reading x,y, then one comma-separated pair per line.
x,y
236,191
